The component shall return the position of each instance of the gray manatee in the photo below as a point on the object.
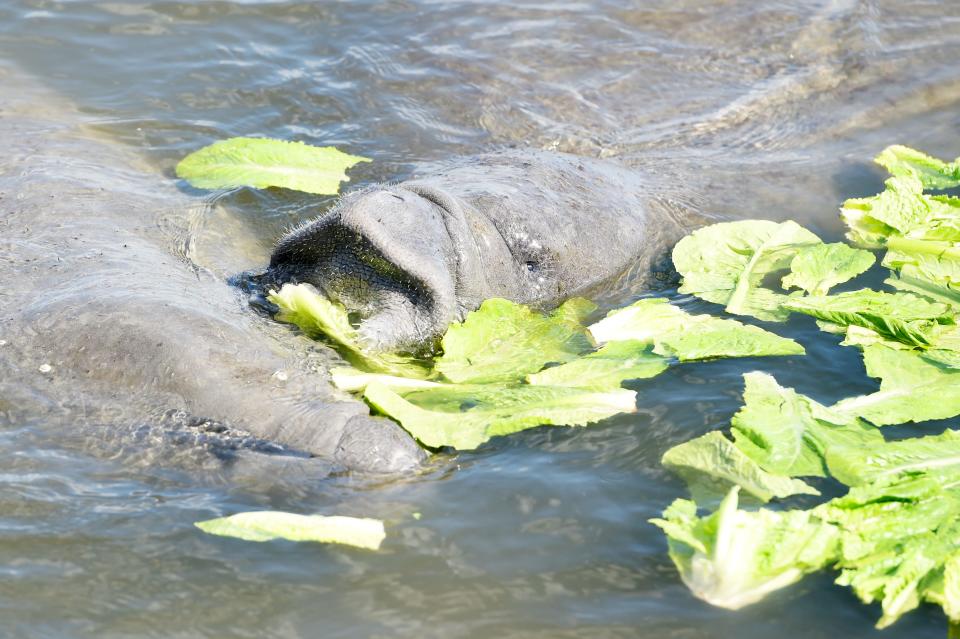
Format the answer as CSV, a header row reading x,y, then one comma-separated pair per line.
x,y
111,335
534,227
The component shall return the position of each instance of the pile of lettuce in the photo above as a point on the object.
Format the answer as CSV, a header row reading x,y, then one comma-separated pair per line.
x,y
507,368
894,536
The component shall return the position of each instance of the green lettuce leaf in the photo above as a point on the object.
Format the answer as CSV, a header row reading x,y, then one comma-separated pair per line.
x,y
262,163
606,368
899,316
928,267
711,464
726,264
789,434
895,541
301,305
913,388
882,461
464,416
503,341
734,558
269,524
933,173
675,333
818,268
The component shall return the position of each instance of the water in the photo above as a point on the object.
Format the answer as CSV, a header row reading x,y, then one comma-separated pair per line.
x,y
754,109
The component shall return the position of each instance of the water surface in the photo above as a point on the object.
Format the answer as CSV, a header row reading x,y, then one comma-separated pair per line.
x,y
749,109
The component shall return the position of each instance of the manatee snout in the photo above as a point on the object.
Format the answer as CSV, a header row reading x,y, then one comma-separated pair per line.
x,y
385,253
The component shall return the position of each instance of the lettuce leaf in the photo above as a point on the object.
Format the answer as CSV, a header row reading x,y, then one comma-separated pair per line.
x,y
675,333
262,163
711,464
464,416
864,463
734,557
899,316
503,341
933,173
789,434
606,368
913,388
818,268
300,304
896,540
267,525
726,264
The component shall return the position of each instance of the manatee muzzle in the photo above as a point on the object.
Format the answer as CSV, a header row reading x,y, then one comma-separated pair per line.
x,y
385,254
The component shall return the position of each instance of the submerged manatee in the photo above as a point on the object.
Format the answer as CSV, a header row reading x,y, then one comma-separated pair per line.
x,y
112,336
534,227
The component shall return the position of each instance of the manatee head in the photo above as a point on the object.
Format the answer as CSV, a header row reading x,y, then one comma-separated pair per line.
x,y
387,255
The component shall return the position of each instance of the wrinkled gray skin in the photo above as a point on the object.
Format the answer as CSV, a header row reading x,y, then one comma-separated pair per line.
x,y
129,340
133,341
531,226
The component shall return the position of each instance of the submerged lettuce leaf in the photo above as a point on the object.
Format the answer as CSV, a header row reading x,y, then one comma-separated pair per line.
x,y
675,333
266,525
726,264
504,341
818,268
606,368
262,163
464,416
913,388
711,464
733,558
301,305
899,316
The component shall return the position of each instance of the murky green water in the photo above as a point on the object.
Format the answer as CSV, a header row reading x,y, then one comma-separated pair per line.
x,y
753,109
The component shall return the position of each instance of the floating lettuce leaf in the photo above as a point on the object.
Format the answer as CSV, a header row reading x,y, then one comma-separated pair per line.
x,y
734,558
913,388
675,333
262,163
606,368
711,464
930,268
268,524
789,434
899,316
300,304
896,541
818,268
726,264
504,341
933,173
902,210
883,461
464,416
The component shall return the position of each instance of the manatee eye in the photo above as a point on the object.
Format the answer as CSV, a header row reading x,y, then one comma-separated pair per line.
x,y
532,266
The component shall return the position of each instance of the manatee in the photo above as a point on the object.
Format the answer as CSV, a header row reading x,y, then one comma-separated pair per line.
x,y
534,227
111,335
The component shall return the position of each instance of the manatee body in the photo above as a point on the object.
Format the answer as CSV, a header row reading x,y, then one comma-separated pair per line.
x,y
534,227
112,339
